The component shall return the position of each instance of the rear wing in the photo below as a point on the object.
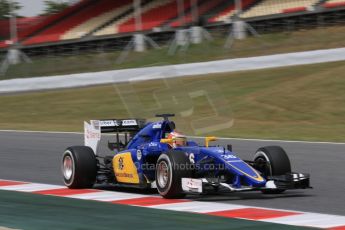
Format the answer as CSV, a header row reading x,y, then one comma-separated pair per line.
x,y
94,129
121,125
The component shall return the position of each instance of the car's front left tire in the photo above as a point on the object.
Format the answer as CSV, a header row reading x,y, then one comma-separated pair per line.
x,y
79,167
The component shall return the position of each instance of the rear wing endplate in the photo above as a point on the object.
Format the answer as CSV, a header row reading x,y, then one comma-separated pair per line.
x,y
92,135
94,129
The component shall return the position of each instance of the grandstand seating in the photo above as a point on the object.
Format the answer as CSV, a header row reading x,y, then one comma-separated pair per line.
x,y
153,14
102,13
22,25
202,10
3,44
4,28
110,17
334,3
54,32
230,11
26,23
269,7
52,19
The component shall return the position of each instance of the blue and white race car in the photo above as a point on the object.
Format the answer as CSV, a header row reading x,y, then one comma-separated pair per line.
x,y
155,155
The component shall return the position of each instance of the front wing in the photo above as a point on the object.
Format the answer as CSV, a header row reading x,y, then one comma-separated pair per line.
x,y
283,182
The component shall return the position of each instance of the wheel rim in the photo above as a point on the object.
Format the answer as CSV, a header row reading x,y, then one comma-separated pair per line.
x,y
163,174
67,167
263,166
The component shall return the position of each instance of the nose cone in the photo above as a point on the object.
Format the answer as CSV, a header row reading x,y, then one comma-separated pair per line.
x,y
252,177
236,166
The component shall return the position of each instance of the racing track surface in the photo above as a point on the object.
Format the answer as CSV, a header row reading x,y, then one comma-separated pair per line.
x,y
35,157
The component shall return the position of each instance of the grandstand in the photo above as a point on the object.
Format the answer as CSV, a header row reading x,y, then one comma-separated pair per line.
x,y
334,3
104,12
229,11
153,13
270,7
91,19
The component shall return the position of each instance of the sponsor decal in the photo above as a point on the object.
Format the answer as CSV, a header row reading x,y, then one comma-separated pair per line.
x,y
92,135
121,165
226,157
129,122
157,126
109,123
125,169
192,158
139,154
192,185
127,175
153,144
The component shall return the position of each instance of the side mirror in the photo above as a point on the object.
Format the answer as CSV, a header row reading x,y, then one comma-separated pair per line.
x,y
208,139
167,141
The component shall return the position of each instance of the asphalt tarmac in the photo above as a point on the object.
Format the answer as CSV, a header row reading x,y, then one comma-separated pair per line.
x,y
36,157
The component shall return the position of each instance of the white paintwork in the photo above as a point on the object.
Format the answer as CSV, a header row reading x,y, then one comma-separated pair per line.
x,y
92,135
270,184
192,185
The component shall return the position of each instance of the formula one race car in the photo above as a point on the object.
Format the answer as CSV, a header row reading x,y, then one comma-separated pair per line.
x,y
155,155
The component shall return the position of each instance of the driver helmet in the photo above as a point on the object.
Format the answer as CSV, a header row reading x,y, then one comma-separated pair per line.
x,y
178,139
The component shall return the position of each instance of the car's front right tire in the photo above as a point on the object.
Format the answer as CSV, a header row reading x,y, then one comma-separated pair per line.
x,y
79,167
272,161
171,167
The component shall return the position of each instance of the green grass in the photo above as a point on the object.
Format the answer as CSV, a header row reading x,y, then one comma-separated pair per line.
x,y
296,103
321,38
30,211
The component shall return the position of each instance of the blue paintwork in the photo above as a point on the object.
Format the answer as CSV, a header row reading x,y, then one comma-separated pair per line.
x,y
147,141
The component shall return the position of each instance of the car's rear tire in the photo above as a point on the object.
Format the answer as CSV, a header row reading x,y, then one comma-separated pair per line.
x,y
272,161
79,167
171,167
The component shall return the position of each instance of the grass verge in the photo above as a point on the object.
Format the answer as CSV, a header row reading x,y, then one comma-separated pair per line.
x,y
299,103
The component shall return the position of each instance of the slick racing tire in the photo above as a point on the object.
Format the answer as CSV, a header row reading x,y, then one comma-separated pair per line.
x,y
171,167
79,167
272,161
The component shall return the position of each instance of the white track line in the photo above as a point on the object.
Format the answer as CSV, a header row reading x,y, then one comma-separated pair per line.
x,y
198,207
310,220
195,137
32,187
107,196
